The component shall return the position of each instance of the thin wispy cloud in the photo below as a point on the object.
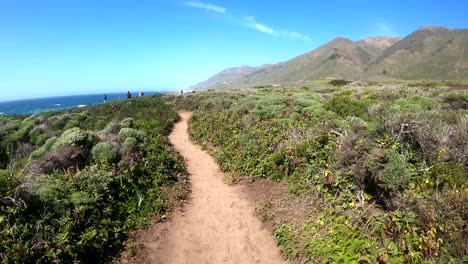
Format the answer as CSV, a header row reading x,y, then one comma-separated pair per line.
x,y
252,23
297,35
205,6
249,21
386,29
260,27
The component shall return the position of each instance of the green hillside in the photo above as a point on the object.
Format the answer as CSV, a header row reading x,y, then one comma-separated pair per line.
x,y
433,53
339,58
429,53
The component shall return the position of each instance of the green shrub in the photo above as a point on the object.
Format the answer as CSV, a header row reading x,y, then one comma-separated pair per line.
x,y
268,111
111,128
49,143
41,139
413,104
389,170
31,119
45,148
127,122
7,183
338,82
319,113
449,175
452,97
22,134
351,122
345,104
130,144
59,122
34,134
100,124
104,152
72,137
76,137
304,100
77,119
129,132
343,243
55,197
457,100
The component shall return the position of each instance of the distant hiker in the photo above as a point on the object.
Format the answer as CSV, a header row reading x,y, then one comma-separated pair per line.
x,y
181,91
128,95
105,98
141,94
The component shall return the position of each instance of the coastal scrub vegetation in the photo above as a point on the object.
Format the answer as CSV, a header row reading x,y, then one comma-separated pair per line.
x,y
386,165
74,182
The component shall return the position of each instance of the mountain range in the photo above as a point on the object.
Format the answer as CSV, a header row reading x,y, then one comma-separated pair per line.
x,y
429,53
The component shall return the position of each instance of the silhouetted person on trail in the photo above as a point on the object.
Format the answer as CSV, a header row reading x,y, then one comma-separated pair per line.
x,y
181,91
128,95
105,98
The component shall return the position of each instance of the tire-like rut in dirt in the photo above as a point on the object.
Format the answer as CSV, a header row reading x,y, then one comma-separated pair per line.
x,y
216,225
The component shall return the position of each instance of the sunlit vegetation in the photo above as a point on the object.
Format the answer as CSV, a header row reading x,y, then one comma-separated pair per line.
x,y
387,162
74,182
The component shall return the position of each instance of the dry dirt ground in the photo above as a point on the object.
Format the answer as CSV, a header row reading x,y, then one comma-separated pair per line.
x,y
218,224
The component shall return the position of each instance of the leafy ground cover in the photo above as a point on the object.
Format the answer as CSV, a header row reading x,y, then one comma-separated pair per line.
x,y
74,182
386,162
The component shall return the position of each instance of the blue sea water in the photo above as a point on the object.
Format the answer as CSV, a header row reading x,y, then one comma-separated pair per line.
x,y
33,106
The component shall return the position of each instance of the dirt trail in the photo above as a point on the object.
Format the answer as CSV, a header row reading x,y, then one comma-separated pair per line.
x,y
216,225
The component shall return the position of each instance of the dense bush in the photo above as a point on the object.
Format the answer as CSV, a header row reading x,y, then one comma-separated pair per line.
x,y
34,134
111,128
413,104
46,147
104,152
75,137
339,82
127,122
130,144
345,104
458,100
40,140
129,133
390,170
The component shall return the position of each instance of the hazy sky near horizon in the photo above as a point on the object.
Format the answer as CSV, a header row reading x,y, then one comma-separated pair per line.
x,y
56,47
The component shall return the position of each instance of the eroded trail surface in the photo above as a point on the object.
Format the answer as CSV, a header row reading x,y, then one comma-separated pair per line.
x,y
216,225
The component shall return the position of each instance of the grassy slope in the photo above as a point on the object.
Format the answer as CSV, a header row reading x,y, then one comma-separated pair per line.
x,y
76,201
386,163
340,58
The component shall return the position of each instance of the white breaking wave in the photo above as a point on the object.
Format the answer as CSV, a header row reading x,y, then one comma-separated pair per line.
x,y
81,105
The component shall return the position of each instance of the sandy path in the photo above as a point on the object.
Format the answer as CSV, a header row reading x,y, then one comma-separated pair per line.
x,y
217,225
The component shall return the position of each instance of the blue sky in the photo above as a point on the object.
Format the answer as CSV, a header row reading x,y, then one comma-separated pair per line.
x,y
52,47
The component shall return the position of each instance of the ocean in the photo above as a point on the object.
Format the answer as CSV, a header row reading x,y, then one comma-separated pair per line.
x,y
33,106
